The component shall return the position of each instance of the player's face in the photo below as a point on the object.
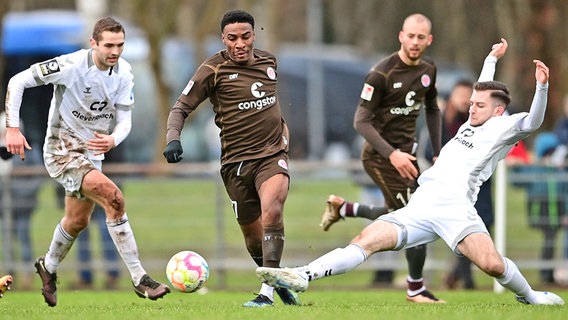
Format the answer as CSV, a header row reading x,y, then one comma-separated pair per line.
x,y
483,107
108,49
239,39
414,38
459,98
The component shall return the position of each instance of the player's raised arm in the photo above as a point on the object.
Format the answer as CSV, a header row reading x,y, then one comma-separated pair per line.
x,y
542,72
538,106
497,51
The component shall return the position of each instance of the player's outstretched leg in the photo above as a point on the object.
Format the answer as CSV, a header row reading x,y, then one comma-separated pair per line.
x,y
331,212
123,238
541,297
287,278
5,283
148,288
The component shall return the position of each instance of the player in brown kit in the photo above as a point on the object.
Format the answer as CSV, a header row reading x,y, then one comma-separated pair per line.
x,y
241,84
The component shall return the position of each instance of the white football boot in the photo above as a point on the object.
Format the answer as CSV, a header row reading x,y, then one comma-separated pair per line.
x,y
541,297
283,278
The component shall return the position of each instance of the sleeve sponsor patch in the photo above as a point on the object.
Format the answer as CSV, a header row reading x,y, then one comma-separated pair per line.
x,y
49,67
367,92
188,87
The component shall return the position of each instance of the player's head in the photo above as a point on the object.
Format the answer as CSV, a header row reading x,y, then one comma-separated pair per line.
x,y
460,95
237,33
236,15
106,24
489,99
107,42
414,38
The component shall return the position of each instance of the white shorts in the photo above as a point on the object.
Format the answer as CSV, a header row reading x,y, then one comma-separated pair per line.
x,y
68,160
428,217
69,170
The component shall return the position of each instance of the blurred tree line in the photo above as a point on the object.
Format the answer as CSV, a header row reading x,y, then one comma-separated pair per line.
x,y
463,30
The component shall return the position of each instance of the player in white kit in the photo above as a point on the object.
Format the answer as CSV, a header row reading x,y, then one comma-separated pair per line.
x,y
90,114
443,204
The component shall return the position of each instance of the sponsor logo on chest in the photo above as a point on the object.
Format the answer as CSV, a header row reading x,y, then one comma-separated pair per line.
x,y
464,138
256,89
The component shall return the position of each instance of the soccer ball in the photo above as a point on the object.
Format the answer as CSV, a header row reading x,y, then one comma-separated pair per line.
x,y
561,276
187,271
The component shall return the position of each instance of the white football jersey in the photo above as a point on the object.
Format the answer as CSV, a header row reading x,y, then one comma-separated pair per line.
x,y
484,145
85,98
471,156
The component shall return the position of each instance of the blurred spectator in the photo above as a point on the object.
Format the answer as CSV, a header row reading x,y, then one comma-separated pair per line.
x,y
559,155
518,155
546,197
561,131
22,196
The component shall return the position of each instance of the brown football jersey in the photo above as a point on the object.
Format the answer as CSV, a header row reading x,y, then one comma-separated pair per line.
x,y
245,102
395,92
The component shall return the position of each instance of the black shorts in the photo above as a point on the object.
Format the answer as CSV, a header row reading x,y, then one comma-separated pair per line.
x,y
243,180
396,189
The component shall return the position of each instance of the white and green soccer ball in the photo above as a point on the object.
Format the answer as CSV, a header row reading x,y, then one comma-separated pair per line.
x,y
187,271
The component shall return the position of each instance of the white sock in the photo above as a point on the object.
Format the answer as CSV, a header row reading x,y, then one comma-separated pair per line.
x,y
355,208
513,280
268,291
60,245
123,238
338,261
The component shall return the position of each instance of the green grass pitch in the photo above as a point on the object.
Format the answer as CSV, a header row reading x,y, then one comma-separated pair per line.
x,y
318,304
170,215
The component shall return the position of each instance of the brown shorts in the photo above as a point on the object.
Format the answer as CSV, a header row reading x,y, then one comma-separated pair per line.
x,y
243,180
396,190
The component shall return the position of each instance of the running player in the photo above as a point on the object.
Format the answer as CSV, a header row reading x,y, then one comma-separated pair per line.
x,y
92,92
395,91
241,83
443,205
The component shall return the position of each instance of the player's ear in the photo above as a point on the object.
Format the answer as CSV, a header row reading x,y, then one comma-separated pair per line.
x,y
500,110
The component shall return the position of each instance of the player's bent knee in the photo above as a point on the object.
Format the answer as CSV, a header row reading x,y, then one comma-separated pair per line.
x,y
493,267
75,224
379,236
